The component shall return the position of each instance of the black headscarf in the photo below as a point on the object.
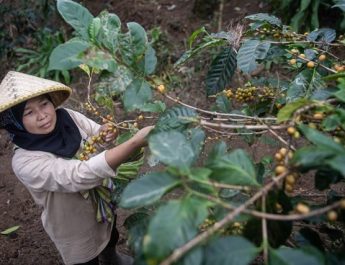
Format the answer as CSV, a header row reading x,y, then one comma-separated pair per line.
x,y
63,141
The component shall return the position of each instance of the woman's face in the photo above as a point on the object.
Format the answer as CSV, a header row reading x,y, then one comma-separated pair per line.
x,y
39,115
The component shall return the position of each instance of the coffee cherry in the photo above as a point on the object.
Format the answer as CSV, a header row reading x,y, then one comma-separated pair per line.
x,y
310,64
140,117
293,61
280,169
161,88
283,151
278,207
291,130
290,179
342,204
288,188
318,116
302,208
278,156
322,57
332,216
296,135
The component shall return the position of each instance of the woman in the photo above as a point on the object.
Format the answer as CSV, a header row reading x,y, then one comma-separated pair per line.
x,y
47,140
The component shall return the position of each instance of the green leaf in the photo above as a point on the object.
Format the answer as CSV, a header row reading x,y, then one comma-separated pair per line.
x,y
156,106
340,4
304,84
324,35
235,168
250,51
94,29
176,118
115,83
338,163
223,104
206,43
10,230
147,189
173,149
137,94
110,28
133,44
100,60
217,152
287,111
76,15
196,137
194,35
200,173
321,140
340,94
221,71
311,157
174,224
148,64
289,256
67,55
265,18
233,250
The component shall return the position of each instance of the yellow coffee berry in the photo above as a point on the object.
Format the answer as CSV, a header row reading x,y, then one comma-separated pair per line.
x,y
310,64
322,57
280,169
278,156
332,216
140,117
288,188
283,151
342,204
293,61
290,179
161,88
318,116
291,130
296,135
302,208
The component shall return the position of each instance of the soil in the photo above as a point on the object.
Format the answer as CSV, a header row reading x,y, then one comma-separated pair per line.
x,y
30,245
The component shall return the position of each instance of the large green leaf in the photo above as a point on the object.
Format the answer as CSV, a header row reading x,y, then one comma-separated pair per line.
x,y
137,94
321,140
100,60
250,51
133,44
76,15
217,152
110,28
233,250
115,83
311,157
173,149
324,34
174,224
148,63
265,18
338,163
223,104
221,71
287,111
67,55
289,256
196,137
304,85
235,168
156,106
176,118
147,189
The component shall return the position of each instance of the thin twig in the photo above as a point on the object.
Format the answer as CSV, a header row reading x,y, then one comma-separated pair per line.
x,y
264,230
241,126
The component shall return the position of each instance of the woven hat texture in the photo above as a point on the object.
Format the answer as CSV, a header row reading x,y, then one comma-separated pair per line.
x,y
17,87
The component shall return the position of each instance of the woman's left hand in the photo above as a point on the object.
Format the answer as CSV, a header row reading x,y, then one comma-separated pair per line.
x,y
110,133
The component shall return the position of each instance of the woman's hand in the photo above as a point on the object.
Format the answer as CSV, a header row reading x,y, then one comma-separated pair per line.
x,y
141,135
109,134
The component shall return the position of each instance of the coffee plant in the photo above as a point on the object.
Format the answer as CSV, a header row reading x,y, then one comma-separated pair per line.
x,y
219,206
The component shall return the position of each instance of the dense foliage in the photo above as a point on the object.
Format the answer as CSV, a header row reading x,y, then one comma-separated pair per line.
x,y
230,209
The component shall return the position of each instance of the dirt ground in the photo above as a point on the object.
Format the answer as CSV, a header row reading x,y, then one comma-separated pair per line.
x,y
30,245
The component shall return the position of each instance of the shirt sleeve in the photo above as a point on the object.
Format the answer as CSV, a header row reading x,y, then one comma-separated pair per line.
x,y
41,171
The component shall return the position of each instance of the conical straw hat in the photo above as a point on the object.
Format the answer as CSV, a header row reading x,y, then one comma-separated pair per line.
x,y
18,87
